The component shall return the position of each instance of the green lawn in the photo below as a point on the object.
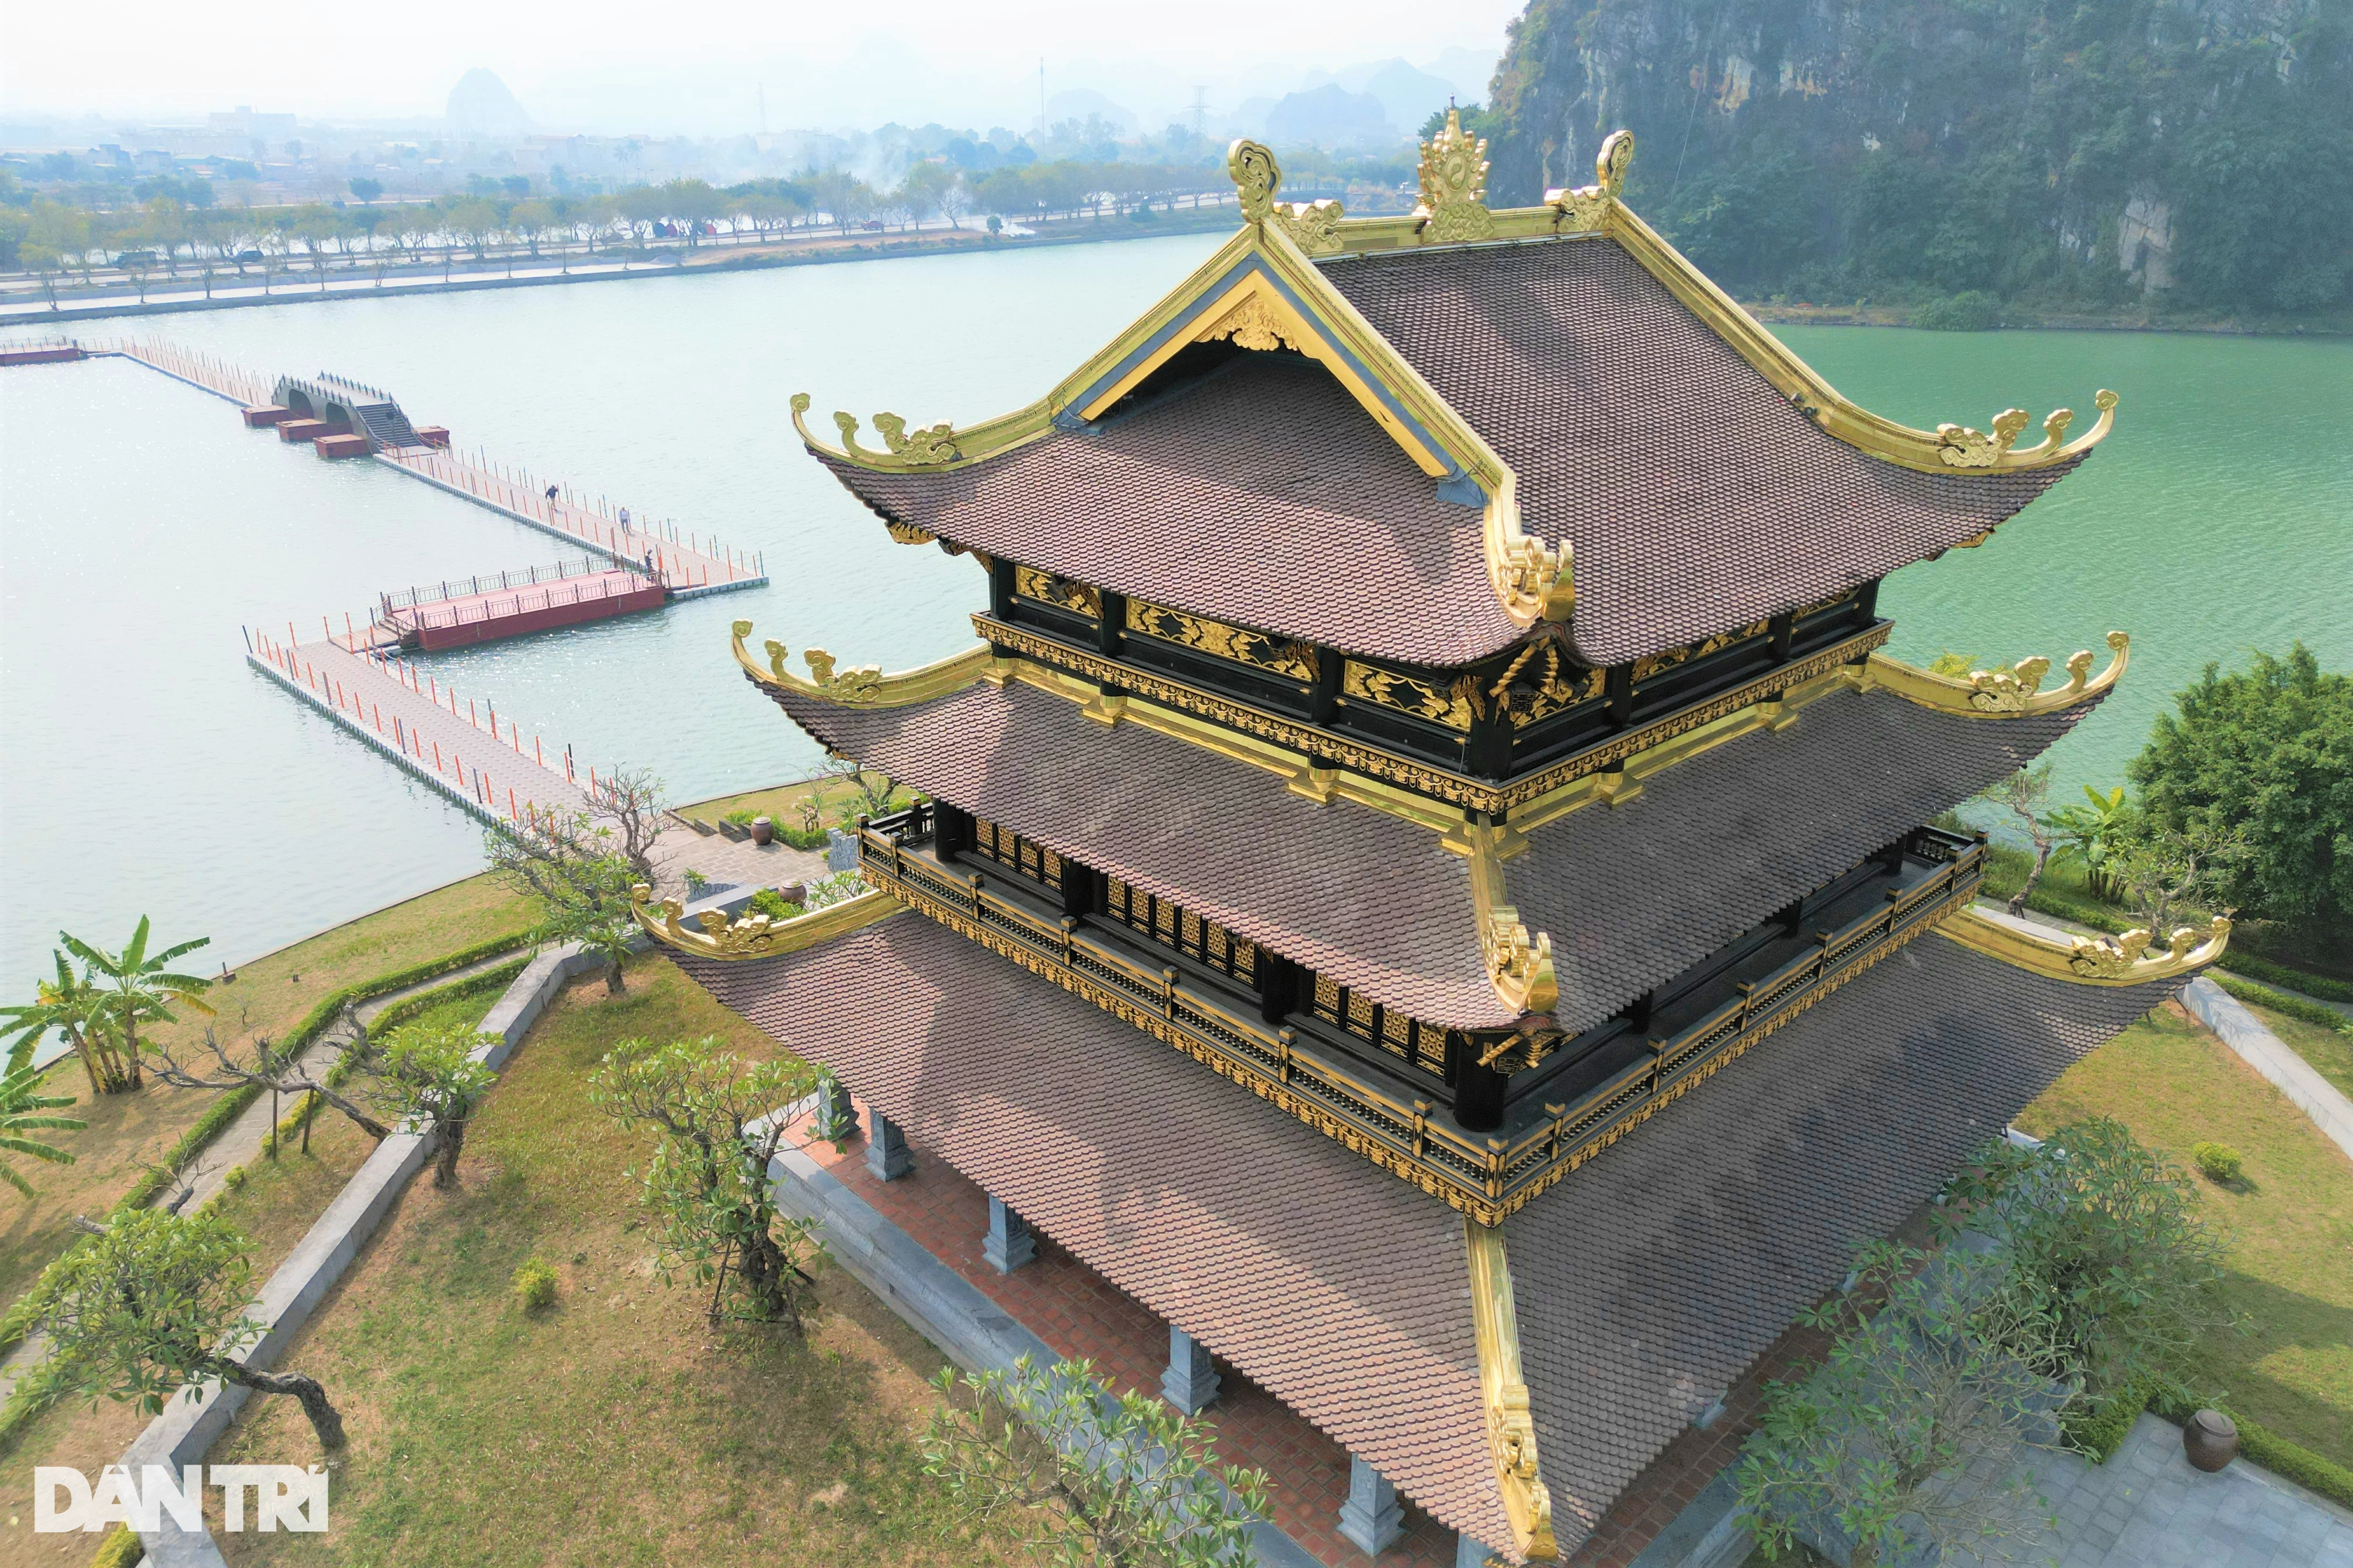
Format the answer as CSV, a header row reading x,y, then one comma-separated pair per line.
x,y
2290,1219
128,1132
274,1208
618,1429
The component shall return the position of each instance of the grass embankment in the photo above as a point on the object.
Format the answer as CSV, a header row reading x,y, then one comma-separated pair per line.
x,y
616,1428
2290,1216
782,803
128,1134
274,1203
2329,1050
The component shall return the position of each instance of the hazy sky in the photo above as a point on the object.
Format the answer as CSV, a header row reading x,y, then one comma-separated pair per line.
x,y
170,58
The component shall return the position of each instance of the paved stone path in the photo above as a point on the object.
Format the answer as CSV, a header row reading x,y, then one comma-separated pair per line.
x,y
2145,1508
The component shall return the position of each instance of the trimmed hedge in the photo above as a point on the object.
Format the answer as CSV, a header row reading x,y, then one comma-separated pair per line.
x,y
290,1126
2274,1453
120,1548
2294,1006
2263,968
2098,1431
28,1308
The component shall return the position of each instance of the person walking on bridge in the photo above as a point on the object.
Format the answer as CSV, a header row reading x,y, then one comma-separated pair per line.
x,y
551,495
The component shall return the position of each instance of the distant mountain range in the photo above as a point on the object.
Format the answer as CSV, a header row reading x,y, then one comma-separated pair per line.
x,y
1366,105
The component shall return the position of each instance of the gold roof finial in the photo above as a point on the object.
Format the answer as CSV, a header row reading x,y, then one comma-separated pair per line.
x,y
1454,185
1609,165
1256,176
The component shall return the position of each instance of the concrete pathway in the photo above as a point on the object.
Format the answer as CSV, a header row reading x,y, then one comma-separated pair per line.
x,y
2272,1057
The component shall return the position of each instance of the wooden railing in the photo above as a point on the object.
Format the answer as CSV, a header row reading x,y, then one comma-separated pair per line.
x,y
1485,1177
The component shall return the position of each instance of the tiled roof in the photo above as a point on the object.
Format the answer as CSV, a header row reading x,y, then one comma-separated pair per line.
x,y
1340,1289
1264,495
1631,894
1634,894
1649,1281
1698,497
1645,1283
1368,899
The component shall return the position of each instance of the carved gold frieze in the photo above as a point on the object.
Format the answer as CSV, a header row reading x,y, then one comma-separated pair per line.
x,y
909,533
1453,209
1252,323
1504,1390
1047,589
2125,960
713,935
1293,661
1650,664
1542,791
1451,704
2011,692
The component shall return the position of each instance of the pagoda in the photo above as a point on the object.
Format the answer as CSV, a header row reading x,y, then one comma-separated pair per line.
x,y
1428,880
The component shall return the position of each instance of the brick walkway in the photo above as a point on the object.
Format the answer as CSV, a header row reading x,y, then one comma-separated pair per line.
x,y
1083,1316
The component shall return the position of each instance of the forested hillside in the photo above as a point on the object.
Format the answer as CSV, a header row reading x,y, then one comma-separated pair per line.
x,y
2185,156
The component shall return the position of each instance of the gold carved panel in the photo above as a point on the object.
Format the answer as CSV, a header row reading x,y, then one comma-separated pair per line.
x,y
1651,664
1452,704
1542,682
1293,661
1049,589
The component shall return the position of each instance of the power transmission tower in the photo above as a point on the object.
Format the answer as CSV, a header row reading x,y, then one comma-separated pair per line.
x,y
1200,111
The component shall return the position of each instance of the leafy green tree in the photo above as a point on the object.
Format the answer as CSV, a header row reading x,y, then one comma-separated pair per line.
x,y
367,189
1082,1480
575,869
1909,1439
153,1307
2093,833
24,1108
2108,1238
719,1120
76,1010
429,1073
141,988
2266,752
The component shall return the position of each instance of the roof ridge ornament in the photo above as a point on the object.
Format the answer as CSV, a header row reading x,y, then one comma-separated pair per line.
x,y
1519,965
930,446
754,936
2124,959
1965,446
1503,1393
861,686
2014,692
1585,208
1453,209
1314,227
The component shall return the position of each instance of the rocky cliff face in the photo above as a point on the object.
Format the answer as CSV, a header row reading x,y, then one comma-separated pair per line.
x,y
2006,145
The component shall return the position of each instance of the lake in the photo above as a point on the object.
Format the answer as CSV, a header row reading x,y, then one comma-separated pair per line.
x,y
143,768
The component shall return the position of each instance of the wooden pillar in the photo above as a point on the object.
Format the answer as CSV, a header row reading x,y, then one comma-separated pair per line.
x,y
1323,696
1280,982
951,831
1618,695
1478,1090
1000,588
1111,631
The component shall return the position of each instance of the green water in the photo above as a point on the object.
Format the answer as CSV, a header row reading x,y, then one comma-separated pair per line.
x,y
143,768
2216,520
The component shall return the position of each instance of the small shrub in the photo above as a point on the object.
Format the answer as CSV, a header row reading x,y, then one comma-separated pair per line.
x,y
535,1285
233,1178
774,905
121,1549
740,817
2096,1428
803,837
695,883
1974,311
2217,1161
